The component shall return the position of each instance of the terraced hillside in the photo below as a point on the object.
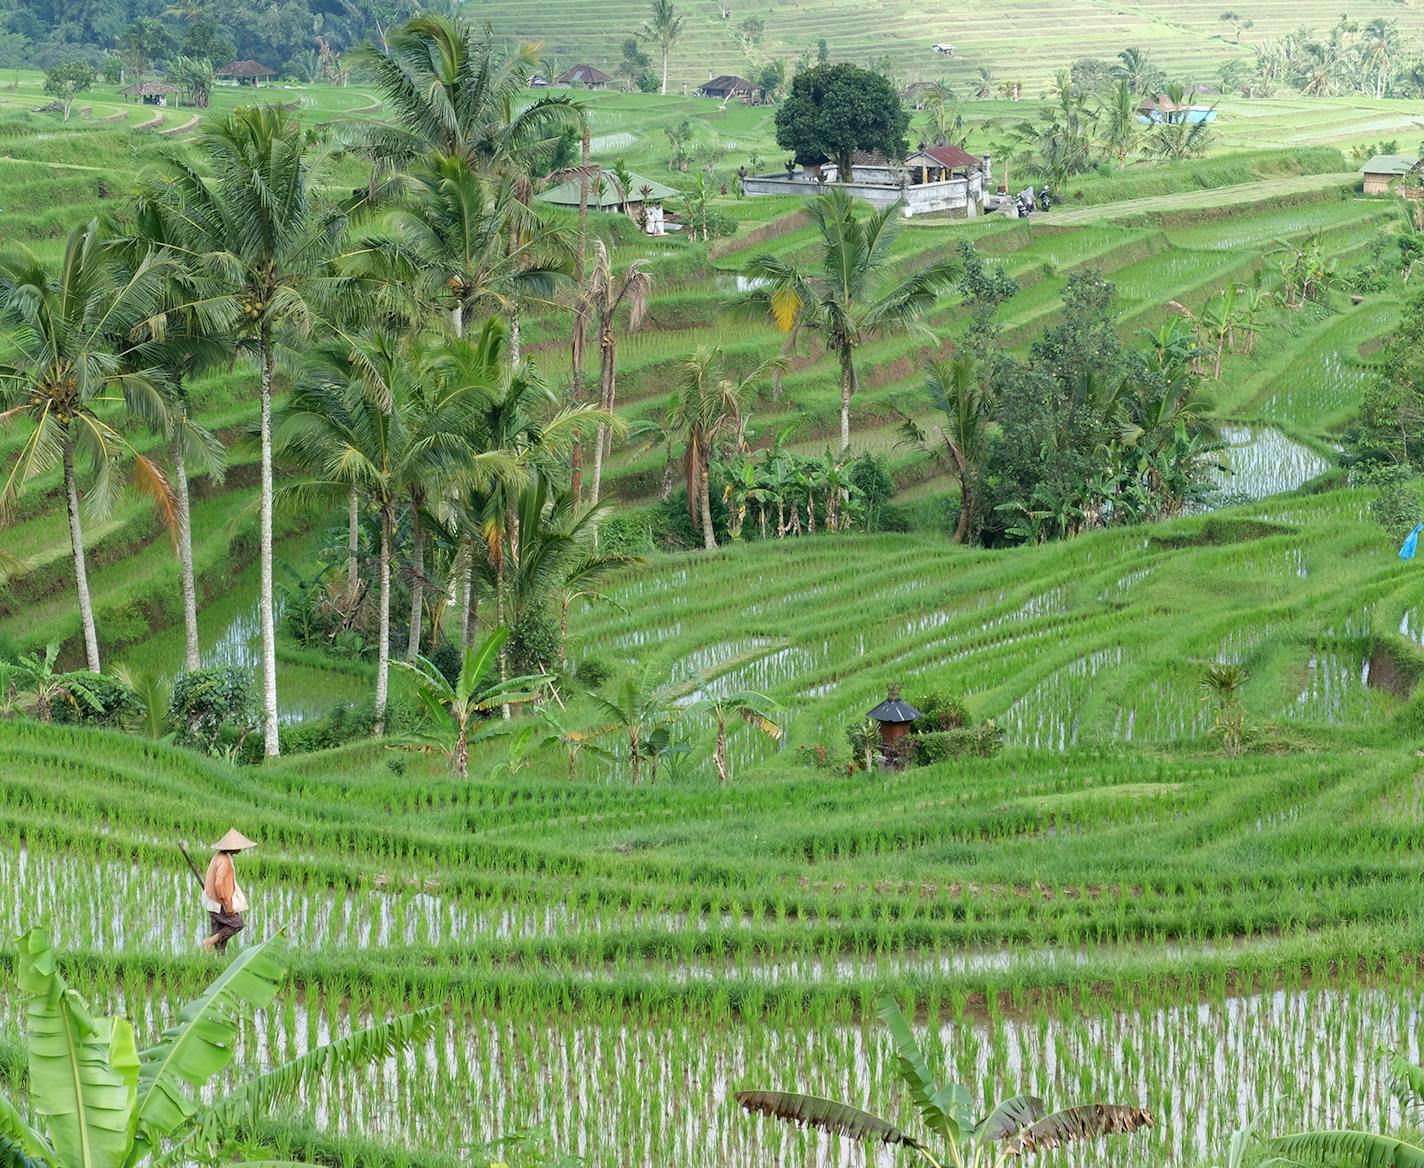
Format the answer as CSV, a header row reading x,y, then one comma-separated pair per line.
x,y
1026,42
1108,909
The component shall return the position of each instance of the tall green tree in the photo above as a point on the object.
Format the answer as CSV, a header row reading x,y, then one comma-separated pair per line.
x,y
68,333
449,90
835,110
849,299
604,293
250,222
1120,129
966,406
706,404
178,343
663,27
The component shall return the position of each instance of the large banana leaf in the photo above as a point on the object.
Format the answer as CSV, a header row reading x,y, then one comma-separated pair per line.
x,y
1406,1079
83,1070
20,1135
202,1042
1010,1117
828,1115
1355,1149
245,1103
944,1109
1084,1122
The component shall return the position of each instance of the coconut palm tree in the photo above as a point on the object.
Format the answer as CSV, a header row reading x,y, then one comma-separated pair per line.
x,y
520,416
371,414
1119,126
1179,138
449,91
639,712
704,406
755,709
254,228
103,1099
66,360
952,1136
848,300
962,397
604,292
664,26
455,708
448,241
1379,49
181,342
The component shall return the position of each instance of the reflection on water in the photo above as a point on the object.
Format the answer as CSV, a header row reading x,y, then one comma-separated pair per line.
x,y
1262,461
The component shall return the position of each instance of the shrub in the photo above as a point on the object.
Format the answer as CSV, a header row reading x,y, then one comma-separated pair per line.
x,y
868,473
592,672
940,711
117,705
534,643
206,702
982,741
1396,507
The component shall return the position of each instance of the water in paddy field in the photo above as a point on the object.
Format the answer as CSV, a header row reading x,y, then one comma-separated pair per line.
x,y
1263,461
1288,1059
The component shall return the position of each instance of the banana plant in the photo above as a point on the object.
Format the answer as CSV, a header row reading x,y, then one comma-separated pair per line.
x,y
1345,1148
952,1137
98,1101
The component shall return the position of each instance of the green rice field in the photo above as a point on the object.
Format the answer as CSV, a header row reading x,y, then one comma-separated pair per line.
x,y
1111,908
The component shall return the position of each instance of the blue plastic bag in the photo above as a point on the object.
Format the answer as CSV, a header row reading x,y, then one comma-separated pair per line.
x,y
1411,543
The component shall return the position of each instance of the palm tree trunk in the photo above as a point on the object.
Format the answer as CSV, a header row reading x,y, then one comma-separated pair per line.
x,y
605,401
192,657
417,583
665,61
848,387
514,347
564,629
457,320
353,544
383,645
462,749
966,510
580,259
76,545
466,591
709,537
499,599
270,733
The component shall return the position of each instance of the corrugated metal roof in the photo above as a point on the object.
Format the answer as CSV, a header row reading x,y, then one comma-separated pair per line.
x,y
1390,164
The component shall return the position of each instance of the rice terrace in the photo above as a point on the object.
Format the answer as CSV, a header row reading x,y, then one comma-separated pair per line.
x,y
677,583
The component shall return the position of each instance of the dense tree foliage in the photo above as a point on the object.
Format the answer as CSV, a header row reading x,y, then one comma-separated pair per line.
x,y
835,110
299,38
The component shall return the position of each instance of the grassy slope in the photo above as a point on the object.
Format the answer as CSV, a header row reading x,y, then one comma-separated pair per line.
x,y
1026,41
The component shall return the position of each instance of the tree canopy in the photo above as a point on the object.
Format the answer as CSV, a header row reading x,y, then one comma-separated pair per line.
x,y
835,110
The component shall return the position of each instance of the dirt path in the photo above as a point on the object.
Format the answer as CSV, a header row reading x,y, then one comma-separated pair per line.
x,y
1252,192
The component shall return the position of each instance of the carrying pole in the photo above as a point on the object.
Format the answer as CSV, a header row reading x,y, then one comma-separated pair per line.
x,y
192,867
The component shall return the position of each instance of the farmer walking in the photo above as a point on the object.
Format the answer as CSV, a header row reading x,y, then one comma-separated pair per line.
x,y
222,896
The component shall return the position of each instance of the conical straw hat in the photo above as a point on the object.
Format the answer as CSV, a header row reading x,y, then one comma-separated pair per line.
x,y
234,841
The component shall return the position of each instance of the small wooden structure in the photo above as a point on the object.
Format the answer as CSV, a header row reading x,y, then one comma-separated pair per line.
x,y
583,76
249,72
728,87
605,193
895,716
942,163
151,92
1394,173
